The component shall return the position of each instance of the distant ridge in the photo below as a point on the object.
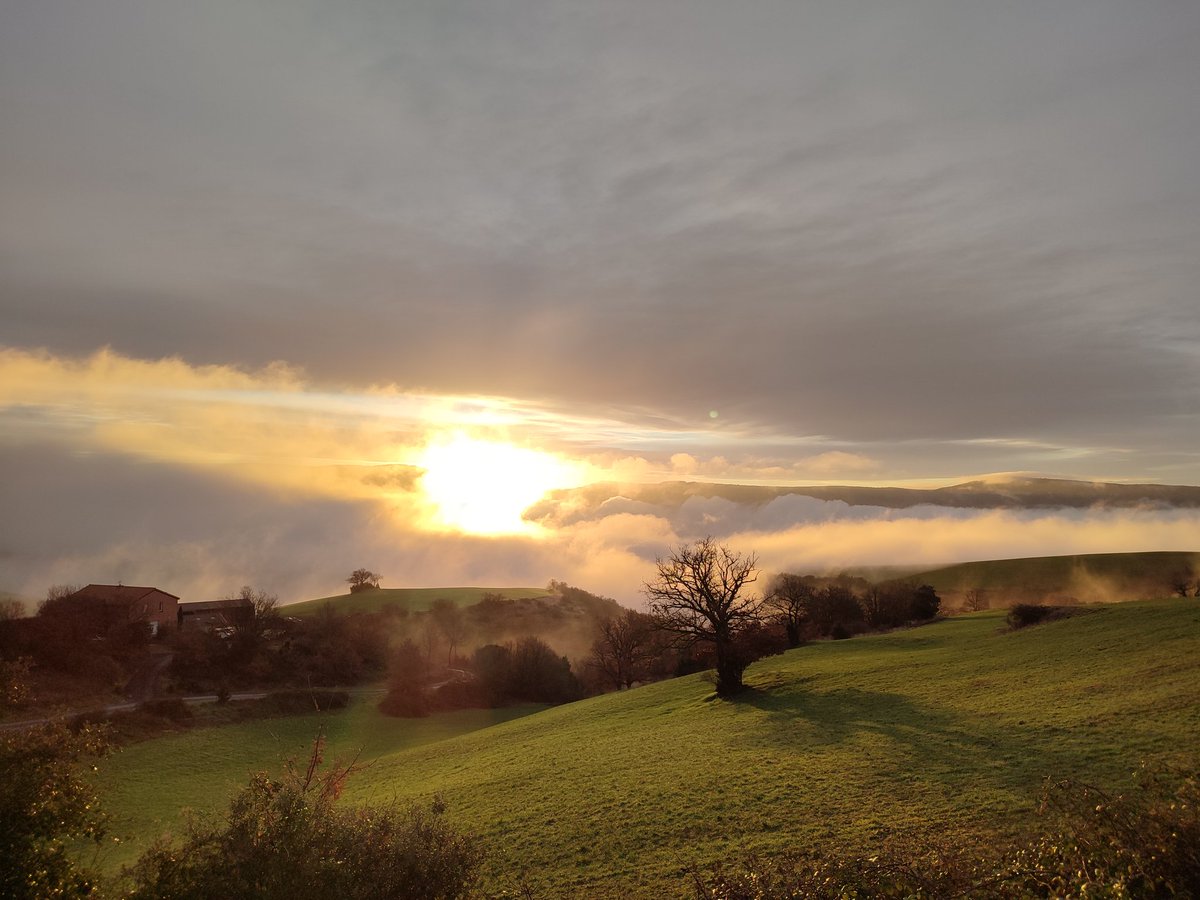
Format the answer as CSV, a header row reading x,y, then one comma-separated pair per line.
x,y
412,599
995,492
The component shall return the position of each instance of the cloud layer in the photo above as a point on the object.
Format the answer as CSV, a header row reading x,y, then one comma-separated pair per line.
x,y
201,480
758,243
955,238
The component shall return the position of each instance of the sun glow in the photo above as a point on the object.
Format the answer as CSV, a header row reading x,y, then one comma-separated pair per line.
x,y
482,486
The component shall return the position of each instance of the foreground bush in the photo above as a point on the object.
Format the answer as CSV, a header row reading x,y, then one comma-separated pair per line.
x,y
47,803
287,840
1144,844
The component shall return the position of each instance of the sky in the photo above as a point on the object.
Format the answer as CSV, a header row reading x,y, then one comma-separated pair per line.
x,y
291,288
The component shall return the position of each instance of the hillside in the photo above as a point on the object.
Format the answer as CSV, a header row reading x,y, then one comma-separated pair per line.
x,y
412,599
1090,578
951,727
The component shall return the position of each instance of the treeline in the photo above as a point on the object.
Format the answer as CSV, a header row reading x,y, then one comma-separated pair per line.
x,y
65,650
517,657
631,647
71,652
636,647
326,649
810,606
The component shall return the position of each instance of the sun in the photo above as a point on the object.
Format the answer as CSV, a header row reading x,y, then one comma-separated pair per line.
x,y
482,486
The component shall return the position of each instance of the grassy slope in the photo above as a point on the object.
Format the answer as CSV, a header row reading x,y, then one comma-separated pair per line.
x,y
1095,577
415,599
145,786
953,726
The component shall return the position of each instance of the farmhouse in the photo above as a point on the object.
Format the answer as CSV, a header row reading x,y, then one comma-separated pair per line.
x,y
120,604
211,615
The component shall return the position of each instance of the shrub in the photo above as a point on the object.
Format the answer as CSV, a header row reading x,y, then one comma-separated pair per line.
x,y
45,805
1025,614
1145,843
286,839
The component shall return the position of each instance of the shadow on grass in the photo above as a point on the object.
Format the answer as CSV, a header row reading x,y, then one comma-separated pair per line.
x,y
949,748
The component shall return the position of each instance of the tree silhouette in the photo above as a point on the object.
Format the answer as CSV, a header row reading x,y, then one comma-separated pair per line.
x,y
698,596
362,579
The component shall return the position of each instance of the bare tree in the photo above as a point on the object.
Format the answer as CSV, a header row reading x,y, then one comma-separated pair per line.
x,y
698,596
624,647
264,612
789,598
975,599
1181,583
451,622
55,595
876,605
362,580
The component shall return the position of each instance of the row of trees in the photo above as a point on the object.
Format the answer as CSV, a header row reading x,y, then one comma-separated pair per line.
x,y
524,671
700,600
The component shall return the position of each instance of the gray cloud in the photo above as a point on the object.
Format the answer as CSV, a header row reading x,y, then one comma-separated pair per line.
x,y
930,224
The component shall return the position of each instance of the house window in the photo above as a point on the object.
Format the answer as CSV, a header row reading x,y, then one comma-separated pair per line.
x,y
160,606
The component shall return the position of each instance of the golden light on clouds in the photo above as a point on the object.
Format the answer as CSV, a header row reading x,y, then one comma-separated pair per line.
x,y
482,486
442,463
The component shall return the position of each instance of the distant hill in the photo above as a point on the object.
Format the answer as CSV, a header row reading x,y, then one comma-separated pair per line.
x,y
1089,578
994,492
413,599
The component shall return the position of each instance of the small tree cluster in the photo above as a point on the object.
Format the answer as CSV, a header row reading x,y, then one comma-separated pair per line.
x,y
363,580
845,605
626,649
327,648
524,671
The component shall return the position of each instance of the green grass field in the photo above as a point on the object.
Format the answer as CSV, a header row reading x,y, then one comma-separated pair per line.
x,y
951,728
414,599
146,786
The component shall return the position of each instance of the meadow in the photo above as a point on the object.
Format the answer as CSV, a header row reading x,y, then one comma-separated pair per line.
x,y
949,728
412,599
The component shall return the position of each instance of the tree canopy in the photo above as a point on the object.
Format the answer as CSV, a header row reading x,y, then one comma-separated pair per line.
x,y
700,594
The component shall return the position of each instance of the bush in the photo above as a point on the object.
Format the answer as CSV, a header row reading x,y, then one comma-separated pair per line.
x,y
1025,614
286,839
46,805
1145,843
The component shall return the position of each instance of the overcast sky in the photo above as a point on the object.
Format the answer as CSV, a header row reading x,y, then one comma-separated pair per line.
x,y
838,241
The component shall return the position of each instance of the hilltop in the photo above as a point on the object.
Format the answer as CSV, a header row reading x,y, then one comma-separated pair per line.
x,y
1086,578
411,599
951,727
